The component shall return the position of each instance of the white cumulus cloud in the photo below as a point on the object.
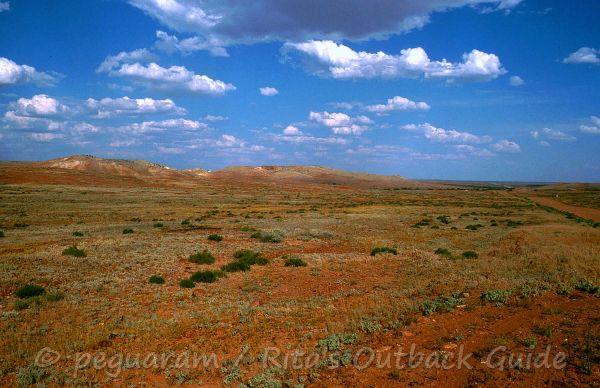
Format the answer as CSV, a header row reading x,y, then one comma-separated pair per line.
x,y
327,58
515,80
136,56
161,126
584,55
170,44
268,91
593,128
12,73
397,103
341,123
446,135
506,146
4,6
172,78
125,106
291,130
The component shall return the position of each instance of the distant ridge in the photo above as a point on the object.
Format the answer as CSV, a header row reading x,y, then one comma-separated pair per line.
x,y
91,170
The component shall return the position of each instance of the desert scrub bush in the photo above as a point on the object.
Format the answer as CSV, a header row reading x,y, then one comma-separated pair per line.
x,y
513,224
272,237
250,257
441,304
545,331
74,251
469,255
187,283
205,276
21,305
156,279
1,233
127,231
30,375
295,262
215,237
336,340
423,222
185,222
443,252
495,296
204,257
444,219
20,225
158,225
77,234
370,326
30,290
586,286
235,266
378,250
473,226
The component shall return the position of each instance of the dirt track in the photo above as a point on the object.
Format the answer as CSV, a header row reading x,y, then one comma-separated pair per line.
x,y
584,212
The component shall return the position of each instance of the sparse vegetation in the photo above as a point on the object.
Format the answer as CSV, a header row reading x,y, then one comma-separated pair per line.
x,y
158,225
127,231
77,234
205,276
586,286
30,290
215,237
443,252
268,237
295,262
204,257
495,296
156,279
469,255
187,283
441,304
74,251
381,250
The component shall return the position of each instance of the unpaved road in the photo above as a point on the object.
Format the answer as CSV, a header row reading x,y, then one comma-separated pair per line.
x,y
584,212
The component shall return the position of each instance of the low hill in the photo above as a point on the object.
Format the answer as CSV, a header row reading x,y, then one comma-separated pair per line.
x,y
85,169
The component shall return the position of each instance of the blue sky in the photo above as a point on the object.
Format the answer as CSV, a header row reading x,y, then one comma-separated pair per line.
x,y
446,89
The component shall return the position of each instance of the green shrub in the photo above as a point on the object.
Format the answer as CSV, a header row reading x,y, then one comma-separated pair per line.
x,y
443,252
205,276
295,262
444,219
495,296
586,286
474,226
127,231
545,331
470,255
378,250
158,225
2,233
185,222
250,257
156,279
187,283
77,234
441,304
423,222
54,296
21,305
20,225
236,266
335,341
513,224
272,237
29,290
74,251
215,237
204,257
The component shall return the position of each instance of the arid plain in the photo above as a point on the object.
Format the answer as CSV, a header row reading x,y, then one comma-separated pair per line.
x,y
292,276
